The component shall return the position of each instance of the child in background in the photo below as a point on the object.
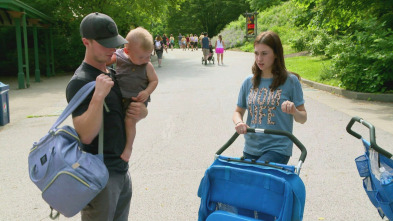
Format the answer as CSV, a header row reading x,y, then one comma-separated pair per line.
x,y
136,77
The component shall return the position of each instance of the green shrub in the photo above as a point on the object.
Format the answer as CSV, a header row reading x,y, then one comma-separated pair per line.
x,y
248,47
364,64
300,41
279,19
233,33
319,42
334,47
315,41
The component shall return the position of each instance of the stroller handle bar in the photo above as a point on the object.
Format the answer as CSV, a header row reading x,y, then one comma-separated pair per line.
x,y
372,135
268,131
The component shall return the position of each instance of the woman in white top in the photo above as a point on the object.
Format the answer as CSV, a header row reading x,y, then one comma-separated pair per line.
x,y
220,47
196,42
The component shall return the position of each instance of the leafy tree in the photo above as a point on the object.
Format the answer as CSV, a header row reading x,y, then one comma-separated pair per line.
x,y
68,15
196,16
364,63
338,15
356,34
263,4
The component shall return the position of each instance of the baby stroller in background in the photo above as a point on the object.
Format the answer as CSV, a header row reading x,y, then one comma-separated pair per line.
x,y
211,55
369,165
242,189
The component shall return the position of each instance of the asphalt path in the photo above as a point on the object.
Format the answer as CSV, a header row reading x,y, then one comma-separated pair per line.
x,y
189,120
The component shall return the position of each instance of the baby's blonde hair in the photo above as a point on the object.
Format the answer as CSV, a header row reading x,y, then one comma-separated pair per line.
x,y
142,37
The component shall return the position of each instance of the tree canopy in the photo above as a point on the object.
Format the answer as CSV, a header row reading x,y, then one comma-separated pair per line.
x,y
339,15
159,17
196,16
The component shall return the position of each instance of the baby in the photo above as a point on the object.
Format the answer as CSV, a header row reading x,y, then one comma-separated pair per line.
x,y
136,77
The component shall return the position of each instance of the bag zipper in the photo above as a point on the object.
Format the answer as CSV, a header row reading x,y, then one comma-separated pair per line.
x,y
68,173
60,130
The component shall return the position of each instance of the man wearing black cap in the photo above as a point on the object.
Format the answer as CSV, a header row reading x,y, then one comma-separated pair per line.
x,y
100,37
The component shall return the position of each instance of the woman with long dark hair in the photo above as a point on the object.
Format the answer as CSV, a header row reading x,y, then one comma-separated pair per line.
x,y
273,98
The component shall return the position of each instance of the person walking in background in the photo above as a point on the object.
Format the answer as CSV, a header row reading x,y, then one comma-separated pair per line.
x,y
136,77
179,38
183,43
273,98
196,42
167,43
192,42
205,42
164,41
200,38
172,41
159,49
188,42
220,48
101,38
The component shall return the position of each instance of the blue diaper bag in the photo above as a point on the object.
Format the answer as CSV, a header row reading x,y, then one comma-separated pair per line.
x,y
68,177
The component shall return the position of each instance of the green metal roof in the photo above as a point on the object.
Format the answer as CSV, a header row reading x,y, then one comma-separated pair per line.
x,y
15,5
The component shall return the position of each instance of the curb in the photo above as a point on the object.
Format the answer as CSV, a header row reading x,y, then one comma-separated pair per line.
x,y
349,94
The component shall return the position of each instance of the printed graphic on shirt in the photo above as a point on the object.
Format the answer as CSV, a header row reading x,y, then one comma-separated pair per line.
x,y
262,102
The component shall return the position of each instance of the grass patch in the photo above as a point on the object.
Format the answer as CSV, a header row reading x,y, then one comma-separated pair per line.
x,y
312,68
249,47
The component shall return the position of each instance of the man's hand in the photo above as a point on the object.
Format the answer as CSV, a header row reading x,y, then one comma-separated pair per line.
x,y
104,83
137,110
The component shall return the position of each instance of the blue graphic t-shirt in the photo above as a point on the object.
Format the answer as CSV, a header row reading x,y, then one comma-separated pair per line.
x,y
264,111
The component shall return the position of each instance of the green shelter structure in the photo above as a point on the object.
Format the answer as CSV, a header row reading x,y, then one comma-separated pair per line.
x,y
25,18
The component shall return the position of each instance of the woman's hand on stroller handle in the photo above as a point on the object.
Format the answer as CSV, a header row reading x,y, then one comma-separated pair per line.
x,y
303,150
241,127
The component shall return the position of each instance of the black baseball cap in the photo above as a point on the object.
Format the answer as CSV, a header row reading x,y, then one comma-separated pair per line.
x,y
101,28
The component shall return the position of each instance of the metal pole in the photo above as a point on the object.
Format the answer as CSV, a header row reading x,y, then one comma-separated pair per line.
x,y
21,75
256,23
52,51
48,72
36,57
26,50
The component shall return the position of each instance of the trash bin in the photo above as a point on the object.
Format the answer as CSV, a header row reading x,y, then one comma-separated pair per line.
x,y
4,102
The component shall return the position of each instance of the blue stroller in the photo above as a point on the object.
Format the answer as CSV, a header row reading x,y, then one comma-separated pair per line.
x,y
377,182
242,189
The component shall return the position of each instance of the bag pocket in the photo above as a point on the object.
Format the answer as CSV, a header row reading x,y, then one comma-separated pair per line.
x,y
370,190
387,207
387,191
91,169
362,165
68,193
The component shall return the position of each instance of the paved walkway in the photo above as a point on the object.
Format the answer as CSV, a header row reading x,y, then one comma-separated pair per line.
x,y
176,135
